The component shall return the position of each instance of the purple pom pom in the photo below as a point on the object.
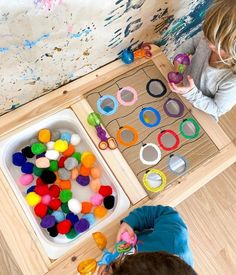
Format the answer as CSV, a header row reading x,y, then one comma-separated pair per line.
x,y
48,221
83,180
81,226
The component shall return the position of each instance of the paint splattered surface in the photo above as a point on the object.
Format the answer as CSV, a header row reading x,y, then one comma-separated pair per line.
x,y
47,43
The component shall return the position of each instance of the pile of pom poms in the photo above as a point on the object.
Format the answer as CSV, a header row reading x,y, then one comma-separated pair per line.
x,y
51,165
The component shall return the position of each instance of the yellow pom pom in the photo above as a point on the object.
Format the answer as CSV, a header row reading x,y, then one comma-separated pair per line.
x,y
61,145
32,198
88,159
44,135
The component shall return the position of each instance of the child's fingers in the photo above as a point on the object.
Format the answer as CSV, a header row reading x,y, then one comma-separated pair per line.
x,y
190,80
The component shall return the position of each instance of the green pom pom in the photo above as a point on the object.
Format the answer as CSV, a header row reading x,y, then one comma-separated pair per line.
x,y
72,234
49,211
77,156
94,119
37,171
53,165
65,195
65,208
38,148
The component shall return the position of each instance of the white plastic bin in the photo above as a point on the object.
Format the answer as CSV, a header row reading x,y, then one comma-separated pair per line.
x,y
64,120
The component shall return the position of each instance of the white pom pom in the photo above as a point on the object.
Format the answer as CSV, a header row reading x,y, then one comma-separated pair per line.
x,y
52,154
50,145
75,139
75,206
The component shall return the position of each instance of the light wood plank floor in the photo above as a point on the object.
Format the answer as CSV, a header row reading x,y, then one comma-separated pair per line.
x,y
211,217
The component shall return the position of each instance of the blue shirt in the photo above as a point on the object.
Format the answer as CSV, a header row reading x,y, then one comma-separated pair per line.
x,y
160,228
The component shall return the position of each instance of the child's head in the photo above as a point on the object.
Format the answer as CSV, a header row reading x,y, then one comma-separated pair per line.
x,y
156,263
219,28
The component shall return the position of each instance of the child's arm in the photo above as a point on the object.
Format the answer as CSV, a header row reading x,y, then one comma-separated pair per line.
x,y
147,217
189,46
223,101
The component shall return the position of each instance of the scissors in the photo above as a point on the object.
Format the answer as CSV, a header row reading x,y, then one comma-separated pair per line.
x,y
144,51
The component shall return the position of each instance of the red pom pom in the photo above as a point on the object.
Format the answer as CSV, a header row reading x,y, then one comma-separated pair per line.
x,y
54,191
64,227
41,190
61,162
40,210
39,181
105,190
55,204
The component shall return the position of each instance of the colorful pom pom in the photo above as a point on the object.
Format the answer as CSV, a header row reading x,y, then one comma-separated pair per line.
x,y
74,173
64,174
95,185
55,135
37,171
48,177
38,148
26,179
82,180
27,152
90,218
77,155
44,135
55,204
41,190
72,234
95,173
53,231
59,216
65,195
40,210
109,202
61,161
42,162
100,211
32,198
81,226
39,181
70,151
86,207
18,159
74,206
105,190
66,136
27,168
53,165
88,159
54,191
65,208
31,189
84,171
50,145
72,217
75,139
64,227
96,199
52,154
46,199
65,184
48,221
70,163
61,145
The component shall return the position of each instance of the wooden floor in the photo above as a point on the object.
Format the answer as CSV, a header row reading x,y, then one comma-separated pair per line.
x,y
210,215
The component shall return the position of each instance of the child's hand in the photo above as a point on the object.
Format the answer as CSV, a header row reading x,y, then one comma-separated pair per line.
x,y
124,227
182,89
104,270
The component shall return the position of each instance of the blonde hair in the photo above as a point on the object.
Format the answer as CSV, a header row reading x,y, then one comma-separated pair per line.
x,y
219,28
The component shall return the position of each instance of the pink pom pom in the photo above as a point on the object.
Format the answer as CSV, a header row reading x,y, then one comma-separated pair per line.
x,y
26,179
46,199
96,199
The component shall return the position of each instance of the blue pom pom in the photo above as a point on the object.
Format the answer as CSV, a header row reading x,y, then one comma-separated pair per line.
x,y
40,156
90,218
31,189
72,217
18,159
59,216
66,136
27,168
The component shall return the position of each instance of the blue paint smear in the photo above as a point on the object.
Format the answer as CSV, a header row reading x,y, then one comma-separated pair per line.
x,y
183,28
30,44
4,50
78,35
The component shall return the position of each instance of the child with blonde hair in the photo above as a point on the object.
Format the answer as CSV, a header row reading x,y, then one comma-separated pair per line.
x,y
210,82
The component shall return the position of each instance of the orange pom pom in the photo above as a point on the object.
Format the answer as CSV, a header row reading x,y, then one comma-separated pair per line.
x,y
84,171
95,172
86,207
58,180
88,159
100,211
95,185
65,184
74,173
70,151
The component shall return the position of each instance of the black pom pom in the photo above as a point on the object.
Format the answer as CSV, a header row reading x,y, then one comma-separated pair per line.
x,y
53,231
109,202
27,152
48,177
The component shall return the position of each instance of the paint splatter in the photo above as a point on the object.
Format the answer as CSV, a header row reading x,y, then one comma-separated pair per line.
x,y
48,4
30,44
4,50
79,34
